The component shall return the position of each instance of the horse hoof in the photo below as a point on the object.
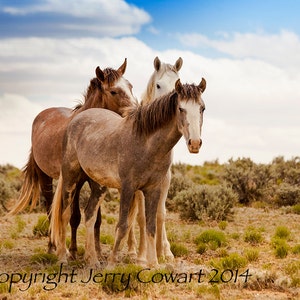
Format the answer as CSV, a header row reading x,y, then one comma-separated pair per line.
x,y
169,257
51,250
94,265
141,262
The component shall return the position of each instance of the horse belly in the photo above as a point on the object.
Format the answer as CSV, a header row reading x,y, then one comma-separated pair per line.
x,y
105,177
47,136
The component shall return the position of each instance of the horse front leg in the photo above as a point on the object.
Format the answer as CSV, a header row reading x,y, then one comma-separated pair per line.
x,y
142,256
126,199
162,244
151,203
91,214
131,241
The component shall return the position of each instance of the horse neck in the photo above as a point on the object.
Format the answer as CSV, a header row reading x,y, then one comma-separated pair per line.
x,y
164,139
93,101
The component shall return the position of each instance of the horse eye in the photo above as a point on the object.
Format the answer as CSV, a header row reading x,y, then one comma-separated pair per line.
x,y
181,109
113,93
158,86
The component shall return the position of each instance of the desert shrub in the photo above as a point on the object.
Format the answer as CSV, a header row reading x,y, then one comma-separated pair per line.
x,y
296,209
209,173
10,184
42,226
253,236
286,171
205,201
251,254
179,249
231,262
178,183
107,239
212,238
41,257
293,270
282,232
287,194
280,247
222,225
296,249
247,179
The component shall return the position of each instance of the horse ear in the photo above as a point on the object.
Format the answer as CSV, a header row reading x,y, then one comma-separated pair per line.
x,y
156,63
122,68
99,74
178,64
202,85
178,86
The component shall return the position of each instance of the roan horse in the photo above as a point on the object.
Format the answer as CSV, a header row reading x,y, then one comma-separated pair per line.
x,y
161,82
132,153
110,90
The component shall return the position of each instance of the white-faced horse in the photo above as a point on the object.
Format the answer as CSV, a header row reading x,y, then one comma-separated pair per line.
x,y
130,154
161,82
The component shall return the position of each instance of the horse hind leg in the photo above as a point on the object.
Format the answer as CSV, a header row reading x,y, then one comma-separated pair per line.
x,y
91,214
75,219
46,185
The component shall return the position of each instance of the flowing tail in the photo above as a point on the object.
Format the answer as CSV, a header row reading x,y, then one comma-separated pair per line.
x,y
56,213
30,190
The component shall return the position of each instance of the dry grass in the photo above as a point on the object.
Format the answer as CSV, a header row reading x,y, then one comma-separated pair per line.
x,y
271,278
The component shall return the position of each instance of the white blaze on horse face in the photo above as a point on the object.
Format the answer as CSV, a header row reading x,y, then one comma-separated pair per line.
x,y
165,84
194,119
126,86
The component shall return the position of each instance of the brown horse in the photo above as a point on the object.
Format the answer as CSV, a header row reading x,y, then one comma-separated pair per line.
x,y
130,154
110,90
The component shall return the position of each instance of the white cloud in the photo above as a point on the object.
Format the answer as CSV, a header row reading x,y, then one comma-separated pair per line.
x,y
108,18
282,49
252,104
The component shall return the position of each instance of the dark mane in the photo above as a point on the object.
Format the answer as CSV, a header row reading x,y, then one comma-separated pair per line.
x,y
110,77
190,91
150,117
89,92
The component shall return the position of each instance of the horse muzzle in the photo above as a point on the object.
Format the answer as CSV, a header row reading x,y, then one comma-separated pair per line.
x,y
194,145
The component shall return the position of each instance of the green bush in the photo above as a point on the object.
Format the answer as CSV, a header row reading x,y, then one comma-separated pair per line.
x,y
10,184
247,179
178,183
212,238
282,232
205,201
42,226
253,236
281,248
179,250
231,262
287,194
296,209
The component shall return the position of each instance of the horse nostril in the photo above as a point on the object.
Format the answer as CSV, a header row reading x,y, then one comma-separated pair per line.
x,y
200,142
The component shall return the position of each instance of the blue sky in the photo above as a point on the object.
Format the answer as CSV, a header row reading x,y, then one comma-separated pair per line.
x,y
248,51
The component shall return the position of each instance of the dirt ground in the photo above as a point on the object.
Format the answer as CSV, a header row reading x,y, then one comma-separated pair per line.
x,y
23,276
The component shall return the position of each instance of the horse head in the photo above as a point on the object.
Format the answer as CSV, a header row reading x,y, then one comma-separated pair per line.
x,y
162,81
191,108
110,90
